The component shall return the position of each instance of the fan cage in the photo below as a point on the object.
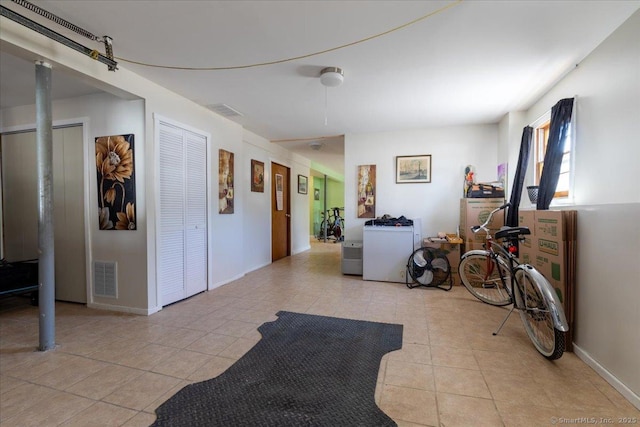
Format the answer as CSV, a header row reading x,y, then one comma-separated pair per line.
x,y
428,267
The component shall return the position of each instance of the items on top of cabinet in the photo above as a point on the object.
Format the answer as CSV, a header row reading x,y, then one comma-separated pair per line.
x,y
389,221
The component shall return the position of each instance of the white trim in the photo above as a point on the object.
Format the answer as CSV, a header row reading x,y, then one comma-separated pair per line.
x,y
160,118
124,309
226,281
302,249
632,397
88,164
258,267
540,120
280,161
32,127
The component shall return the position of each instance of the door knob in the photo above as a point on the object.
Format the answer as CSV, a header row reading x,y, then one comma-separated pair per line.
x,y
287,215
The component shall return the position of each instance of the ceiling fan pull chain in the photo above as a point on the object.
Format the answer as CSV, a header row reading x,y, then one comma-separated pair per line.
x,y
325,107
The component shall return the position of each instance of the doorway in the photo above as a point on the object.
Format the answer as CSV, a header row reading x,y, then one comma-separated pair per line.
x,y
280,212
20,206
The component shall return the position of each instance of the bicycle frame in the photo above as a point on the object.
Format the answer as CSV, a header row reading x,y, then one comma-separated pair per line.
x,y
333,224
555,306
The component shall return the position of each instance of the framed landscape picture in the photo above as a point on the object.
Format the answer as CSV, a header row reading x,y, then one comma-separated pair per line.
x,y
413,169
303,182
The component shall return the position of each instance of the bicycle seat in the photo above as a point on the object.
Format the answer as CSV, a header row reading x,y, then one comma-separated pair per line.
x,y
512,232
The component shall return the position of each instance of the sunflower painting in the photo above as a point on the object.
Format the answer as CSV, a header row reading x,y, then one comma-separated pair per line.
x,y
116,182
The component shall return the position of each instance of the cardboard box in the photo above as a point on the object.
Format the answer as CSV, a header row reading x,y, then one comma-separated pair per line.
x,y
549,259
475,212
554,255
551,249
469,246
550,225
480,237
452,251
527,219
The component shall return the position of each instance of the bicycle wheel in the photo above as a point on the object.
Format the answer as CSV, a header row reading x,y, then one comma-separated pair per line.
x,y
486,278
321,231
337,229
537,317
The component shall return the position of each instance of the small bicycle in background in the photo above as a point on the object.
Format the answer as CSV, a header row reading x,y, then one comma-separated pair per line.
x,y
334,225
495,276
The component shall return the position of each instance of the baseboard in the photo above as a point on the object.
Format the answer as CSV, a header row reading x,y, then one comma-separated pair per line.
x,y
300,250
632,397
224,282
258,267
123,309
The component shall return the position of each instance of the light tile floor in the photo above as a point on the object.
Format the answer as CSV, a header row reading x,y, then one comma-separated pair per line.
x,y
114,369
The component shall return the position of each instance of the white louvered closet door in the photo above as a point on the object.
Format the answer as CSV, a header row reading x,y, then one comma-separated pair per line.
x,y
182,254
196,213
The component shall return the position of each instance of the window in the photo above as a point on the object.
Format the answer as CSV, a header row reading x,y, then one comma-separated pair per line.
x,y
541,139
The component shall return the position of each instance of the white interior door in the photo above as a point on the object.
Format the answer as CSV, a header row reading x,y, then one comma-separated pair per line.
x,y
20,206
182,254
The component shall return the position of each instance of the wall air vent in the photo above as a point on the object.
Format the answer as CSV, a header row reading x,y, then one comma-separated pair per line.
x,y
104,279
224,110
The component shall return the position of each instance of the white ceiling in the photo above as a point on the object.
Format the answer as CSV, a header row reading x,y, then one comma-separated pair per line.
x,y
470,63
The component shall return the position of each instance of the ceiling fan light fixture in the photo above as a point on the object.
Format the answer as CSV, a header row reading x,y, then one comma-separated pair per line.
x,y
331,76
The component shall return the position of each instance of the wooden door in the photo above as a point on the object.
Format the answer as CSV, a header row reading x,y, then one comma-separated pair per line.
x,y
280,212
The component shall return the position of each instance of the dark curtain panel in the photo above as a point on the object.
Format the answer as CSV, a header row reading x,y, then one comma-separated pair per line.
x,y
560,121
518,180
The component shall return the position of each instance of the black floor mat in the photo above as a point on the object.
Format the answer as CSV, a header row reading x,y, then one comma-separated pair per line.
x,y
305,371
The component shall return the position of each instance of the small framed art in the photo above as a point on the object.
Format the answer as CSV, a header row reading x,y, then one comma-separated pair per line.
x,y
303,182
257,176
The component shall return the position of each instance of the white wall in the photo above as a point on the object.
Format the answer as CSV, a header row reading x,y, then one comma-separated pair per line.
x,y
257,220
510,136
107,115
437,204
256,223
607,197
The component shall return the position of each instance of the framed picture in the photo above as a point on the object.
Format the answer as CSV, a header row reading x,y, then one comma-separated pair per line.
x,y
413,169
257,176
279,192
225,182
302,184
116,182
366,191
316,194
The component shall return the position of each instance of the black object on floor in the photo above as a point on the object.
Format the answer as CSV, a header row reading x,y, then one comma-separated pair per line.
x,y
307,370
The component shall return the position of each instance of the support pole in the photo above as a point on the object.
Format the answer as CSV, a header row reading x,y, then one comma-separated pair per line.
x,y
326,214
46,262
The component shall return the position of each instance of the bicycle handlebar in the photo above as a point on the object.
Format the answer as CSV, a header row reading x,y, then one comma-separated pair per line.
x,y
477,228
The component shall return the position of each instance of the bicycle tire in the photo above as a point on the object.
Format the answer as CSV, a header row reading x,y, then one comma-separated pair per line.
x,y
337,229
321,235
490,287
536,316
337,232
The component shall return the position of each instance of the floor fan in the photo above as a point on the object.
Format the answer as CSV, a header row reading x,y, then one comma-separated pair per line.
x,y
429,267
